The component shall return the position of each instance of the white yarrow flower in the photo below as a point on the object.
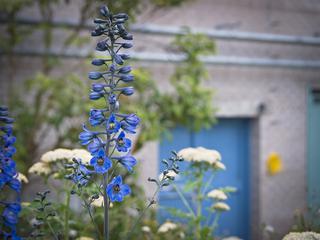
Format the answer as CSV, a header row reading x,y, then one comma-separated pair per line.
x,y
167,226
219,166
55,155
39,168
221,206
146,229
83,154
217,194
22,178
200,154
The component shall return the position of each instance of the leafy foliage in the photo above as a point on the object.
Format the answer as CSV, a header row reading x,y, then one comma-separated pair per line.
x,y
51,105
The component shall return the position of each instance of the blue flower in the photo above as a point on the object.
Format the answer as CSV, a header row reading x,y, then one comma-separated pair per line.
x,y
15,184
81,175
128,128
101,162
10,214
95,146
96,117
8,166
127,161
123,143
86,136
113,125
116,190
132,119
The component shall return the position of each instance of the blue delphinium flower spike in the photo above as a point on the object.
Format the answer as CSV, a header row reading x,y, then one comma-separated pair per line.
x,y
109,83
8,177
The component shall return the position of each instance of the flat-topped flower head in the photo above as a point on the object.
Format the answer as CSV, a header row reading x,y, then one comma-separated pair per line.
x,y
200,154
101,162
123,143
116,190
167,226
113,125
217,194
221,207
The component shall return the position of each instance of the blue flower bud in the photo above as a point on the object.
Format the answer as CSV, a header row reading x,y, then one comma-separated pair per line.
x,y
122,30
3,108
98,87
120,21
96,33
121,15
98,20
104,11
4,113
127,37
118,59
6,120
126,45
127,78
101,46
98,62
125,69
127,91
112,99
124,56
112,68
132,120
95,95
95,75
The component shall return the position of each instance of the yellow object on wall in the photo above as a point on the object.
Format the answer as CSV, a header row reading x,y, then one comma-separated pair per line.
x,y
274,163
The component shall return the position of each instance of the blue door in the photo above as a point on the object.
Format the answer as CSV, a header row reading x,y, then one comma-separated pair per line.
x,y
231,138
313,149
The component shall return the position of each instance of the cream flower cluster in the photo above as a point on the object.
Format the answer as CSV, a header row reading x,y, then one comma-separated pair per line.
x,y
43,167
201,154
221,206
167,226
217,194
62,153
22,178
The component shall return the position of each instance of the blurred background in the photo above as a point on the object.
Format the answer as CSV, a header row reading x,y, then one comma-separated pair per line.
x,y
241,77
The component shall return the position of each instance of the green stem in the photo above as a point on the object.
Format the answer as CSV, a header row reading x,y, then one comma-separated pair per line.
x,y
92,219
215,222
66,216
199,205
183,199
152,201
106,207
52,231
105,196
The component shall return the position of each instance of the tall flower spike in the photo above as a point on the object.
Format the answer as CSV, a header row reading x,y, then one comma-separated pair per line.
x,y
8,178
106,134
